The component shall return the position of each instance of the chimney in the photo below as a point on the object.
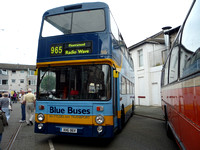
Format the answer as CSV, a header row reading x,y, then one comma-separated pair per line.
x,y
167,37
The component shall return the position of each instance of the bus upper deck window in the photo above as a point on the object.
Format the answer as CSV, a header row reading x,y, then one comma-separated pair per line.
x,y
77,22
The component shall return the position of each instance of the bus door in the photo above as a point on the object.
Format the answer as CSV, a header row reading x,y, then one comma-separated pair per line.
x,y
115,97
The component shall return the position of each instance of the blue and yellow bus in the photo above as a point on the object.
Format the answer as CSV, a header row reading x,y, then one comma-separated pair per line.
x,y
85,81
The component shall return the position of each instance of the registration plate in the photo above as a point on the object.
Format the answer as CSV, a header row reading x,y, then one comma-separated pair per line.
x,y
69,130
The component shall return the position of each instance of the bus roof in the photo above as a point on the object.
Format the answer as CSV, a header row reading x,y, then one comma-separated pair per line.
x,y
75,7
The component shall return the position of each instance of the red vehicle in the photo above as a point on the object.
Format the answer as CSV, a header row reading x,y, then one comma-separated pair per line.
x,y
181,83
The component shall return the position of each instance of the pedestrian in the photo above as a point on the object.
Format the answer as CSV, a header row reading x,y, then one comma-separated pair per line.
x,y
23,107
30,106
5,105
3,122
15,97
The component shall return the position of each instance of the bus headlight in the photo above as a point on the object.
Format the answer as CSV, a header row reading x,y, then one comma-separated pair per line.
x,y
99,119
99,129
40,126
40,117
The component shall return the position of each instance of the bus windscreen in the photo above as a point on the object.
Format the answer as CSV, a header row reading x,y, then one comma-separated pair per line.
x,y
86,82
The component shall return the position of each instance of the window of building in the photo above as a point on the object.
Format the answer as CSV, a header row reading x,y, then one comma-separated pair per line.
x,y
13,71
156,56
21,80
13,80
4,82
33,82
140,56
21,71
31,72
3,72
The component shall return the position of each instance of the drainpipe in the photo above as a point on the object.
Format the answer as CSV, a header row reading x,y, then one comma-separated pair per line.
x,y
28,78
167,37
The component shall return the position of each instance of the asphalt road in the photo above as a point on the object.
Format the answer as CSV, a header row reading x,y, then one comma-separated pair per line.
x,y
140,133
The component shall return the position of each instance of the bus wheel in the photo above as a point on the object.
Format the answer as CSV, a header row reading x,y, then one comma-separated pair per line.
x,y
169,131
122,118
133,109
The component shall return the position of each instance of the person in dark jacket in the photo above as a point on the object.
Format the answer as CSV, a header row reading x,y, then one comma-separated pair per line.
x,y
3,122
5,104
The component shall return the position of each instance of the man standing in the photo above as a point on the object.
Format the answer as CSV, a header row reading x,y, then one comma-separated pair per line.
x,y
23,109
30,105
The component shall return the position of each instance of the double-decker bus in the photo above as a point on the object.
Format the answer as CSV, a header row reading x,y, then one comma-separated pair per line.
x,y
181,83
85,81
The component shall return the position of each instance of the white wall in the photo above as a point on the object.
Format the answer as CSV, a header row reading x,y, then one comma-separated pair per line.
x,y
17,86
147,78
155,73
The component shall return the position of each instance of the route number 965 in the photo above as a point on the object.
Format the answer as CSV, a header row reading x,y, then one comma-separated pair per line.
x,y
56,50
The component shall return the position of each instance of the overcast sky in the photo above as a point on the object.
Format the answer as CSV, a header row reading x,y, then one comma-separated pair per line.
x,y
137,19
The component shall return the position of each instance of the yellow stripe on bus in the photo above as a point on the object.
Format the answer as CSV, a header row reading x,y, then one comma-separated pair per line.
x,y
128,108
80,62
75,119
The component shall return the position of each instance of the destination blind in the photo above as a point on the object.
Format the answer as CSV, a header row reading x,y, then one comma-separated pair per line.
x,y
71,48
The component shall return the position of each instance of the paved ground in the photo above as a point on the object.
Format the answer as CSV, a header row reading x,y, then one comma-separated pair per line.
x,y
136,134
13,125
150,111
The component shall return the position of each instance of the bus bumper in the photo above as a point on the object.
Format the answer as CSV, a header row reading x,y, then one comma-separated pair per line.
x,y
81,130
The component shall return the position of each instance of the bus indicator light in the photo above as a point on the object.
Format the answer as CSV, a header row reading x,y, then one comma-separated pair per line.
x,y
99,129
41,107
100,108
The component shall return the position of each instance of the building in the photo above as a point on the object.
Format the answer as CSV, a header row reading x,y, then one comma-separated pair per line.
x,y
149,56
16,77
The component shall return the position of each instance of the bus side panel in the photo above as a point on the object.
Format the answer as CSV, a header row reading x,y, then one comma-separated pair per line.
x,y
190,134
171,101
127,98
197,100
182,108
189,120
